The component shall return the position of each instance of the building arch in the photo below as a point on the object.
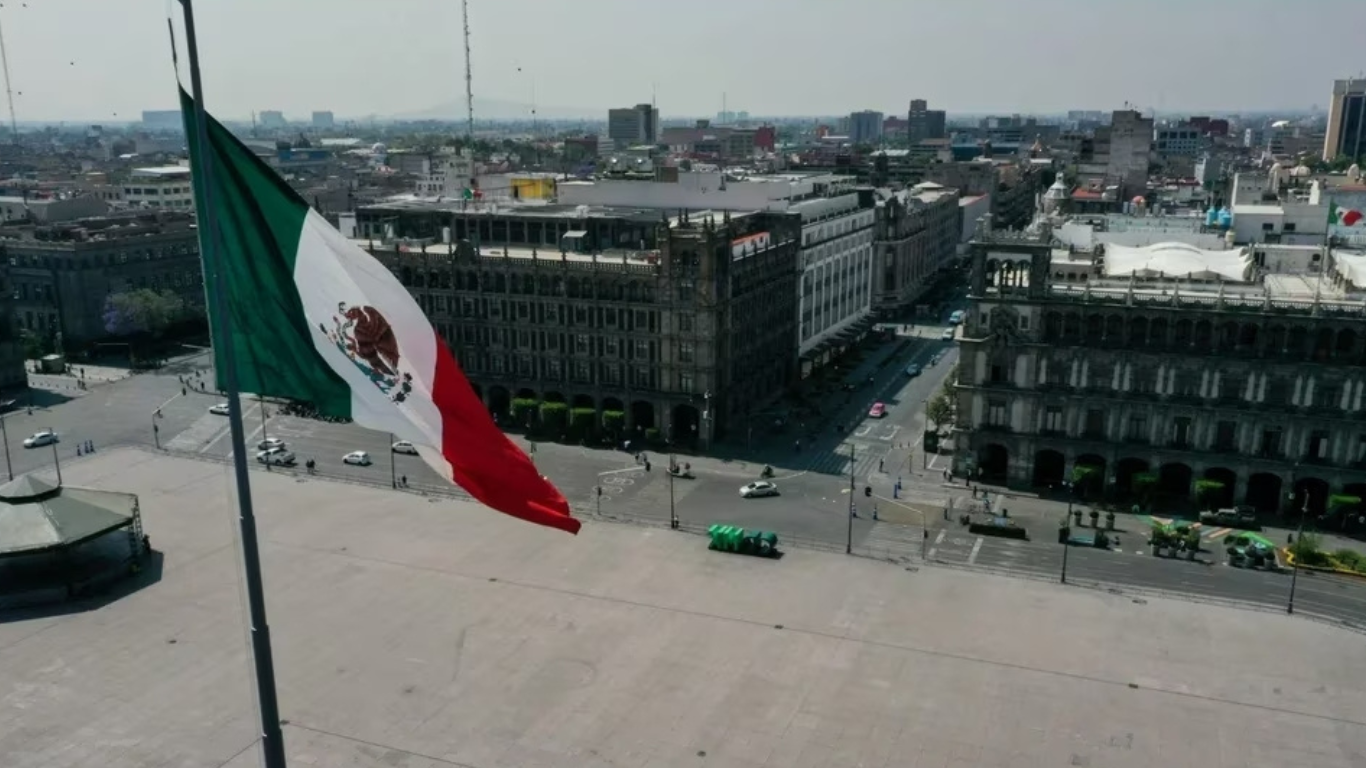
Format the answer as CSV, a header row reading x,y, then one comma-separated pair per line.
x,y
1138,332
993,462
1225,495
1157,333
1050,468
1264,492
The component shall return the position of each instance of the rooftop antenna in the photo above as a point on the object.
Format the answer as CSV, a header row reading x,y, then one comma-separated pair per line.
x,y
469,75
9,87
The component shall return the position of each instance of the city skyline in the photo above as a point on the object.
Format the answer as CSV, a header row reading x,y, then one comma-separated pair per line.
x,y
341,56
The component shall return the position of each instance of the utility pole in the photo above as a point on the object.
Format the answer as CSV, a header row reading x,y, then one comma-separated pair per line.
x,y
673,516
56,458
393,461
1067,527
849,535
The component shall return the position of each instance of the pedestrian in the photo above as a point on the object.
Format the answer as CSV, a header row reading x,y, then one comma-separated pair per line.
x,y
403,481
879,465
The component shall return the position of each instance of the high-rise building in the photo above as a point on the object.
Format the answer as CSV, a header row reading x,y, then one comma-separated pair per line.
x,y
323,119
1131,142
162,120
865,127
272,118
633,125
924,123
1346,135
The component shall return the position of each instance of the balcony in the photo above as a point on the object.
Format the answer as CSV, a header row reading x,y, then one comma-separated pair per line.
x,y
997,428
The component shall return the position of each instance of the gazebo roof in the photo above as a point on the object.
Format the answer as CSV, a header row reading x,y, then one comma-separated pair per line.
x,y
36,515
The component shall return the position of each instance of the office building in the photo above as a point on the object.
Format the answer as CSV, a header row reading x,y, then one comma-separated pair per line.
x,y
916,236
631,126
865,127
1161,372
1180,140
1130,147
272,118
159,187
686,325
61,274
162,120
324,120
1346,136
924,123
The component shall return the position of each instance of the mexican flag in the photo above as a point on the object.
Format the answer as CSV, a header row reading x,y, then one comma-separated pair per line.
x,y
318,320
1344,217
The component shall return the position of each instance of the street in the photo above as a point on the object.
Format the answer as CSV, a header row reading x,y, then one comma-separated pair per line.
x,y
814,482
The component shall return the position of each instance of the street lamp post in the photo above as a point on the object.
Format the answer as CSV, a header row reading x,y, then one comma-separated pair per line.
x,y
849,535
393,461
5,432
1067,526
673,516
1295,566
56,459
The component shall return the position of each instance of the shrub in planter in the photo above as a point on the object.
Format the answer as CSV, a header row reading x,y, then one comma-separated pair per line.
x,y
1110,520
652,436
523,411
581,422
1095,518
613,422
554,418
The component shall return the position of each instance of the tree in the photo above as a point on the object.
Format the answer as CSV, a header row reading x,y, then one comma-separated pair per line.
x,y
940,410
141,312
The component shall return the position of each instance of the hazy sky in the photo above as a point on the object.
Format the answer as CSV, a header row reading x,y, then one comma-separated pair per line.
x,y
92,59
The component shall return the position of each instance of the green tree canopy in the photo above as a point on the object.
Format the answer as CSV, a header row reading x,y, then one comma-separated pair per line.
x,y
141,311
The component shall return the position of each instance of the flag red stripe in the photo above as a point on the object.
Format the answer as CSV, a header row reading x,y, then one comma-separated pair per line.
x,y
484,461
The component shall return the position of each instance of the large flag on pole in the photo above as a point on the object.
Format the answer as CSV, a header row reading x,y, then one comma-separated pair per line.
x,y
1344,217
318,320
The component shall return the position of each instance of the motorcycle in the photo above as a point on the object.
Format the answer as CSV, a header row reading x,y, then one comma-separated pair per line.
x,y
767,473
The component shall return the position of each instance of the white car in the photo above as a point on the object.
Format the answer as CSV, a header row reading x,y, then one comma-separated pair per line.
x,y
270,443
947,335
276,456
359,458
758,488
219,410
40,439
403,446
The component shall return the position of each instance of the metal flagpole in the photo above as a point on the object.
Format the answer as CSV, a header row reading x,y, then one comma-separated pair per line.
x,y
5,432
272,736
56,459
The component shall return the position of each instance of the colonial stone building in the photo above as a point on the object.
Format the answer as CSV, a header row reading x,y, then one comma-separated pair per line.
x,y
1256,383
687,334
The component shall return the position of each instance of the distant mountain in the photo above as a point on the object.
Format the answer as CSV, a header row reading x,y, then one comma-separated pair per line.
x,y
496,109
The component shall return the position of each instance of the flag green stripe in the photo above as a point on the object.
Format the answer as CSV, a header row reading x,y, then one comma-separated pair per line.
x,y
259,220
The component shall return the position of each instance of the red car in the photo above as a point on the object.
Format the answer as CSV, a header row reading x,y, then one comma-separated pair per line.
x,y
877,411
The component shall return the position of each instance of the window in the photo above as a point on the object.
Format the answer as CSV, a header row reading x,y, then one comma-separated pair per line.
x,y
1328,396
687,352
1181,432
1278,391
554,370
686,383
1318,446
1231,387
640,377
1360,454
1095,424
642,349
580,344
997,375
611,374
583,371
1138,429
1226,436
1052,419
996,413
685,323
609,316
580,315
1271,443
611,346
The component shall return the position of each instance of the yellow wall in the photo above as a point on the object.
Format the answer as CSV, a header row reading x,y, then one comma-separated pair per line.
x,y
532,188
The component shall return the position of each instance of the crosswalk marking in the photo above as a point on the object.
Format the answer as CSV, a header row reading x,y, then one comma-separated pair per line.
x,y
905,540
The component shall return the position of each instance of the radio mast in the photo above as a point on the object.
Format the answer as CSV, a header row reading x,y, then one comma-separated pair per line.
x,y
469,75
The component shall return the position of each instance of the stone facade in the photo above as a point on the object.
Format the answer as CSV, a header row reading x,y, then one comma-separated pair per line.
x,y
689,337
1182,381
915,236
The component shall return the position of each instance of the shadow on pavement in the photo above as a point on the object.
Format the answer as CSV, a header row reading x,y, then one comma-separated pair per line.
x,y
44,590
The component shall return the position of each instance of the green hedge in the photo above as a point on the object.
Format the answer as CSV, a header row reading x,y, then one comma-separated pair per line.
x,y
613,422
523,411
554,418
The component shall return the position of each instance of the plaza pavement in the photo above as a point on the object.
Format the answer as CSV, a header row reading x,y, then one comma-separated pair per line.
x,y
415,633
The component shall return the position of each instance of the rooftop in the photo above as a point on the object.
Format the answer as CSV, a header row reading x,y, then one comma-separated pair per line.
x,y
163,170
411,633
504,208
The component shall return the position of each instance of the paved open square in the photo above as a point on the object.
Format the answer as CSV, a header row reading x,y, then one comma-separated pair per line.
x,y
414,633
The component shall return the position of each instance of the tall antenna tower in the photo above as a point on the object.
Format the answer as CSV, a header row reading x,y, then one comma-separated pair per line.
x,y
469,75
9,87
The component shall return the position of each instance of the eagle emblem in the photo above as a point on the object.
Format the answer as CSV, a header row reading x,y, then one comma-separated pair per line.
x,y
368,341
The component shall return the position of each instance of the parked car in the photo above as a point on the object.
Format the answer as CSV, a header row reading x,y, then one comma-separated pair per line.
x,y
219,410
269,443
947,335
40,439
403,446
757,489
913,370
1244,517
358,458
877,411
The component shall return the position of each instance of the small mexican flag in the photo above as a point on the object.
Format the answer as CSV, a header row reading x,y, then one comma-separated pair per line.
x,y
1344,217
318,320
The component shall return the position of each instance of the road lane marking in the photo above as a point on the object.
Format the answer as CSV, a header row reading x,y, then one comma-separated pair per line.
x,y
623,469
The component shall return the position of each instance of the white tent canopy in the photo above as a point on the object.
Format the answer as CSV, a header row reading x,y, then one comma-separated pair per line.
x,y
1351,266
1178,260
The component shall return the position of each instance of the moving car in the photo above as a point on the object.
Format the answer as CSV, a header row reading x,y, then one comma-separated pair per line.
x,y
957,317
40,439
403,446
269,443
877,411
276,456
947,335
913,370
219,410
1243,517
758,488
359,458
